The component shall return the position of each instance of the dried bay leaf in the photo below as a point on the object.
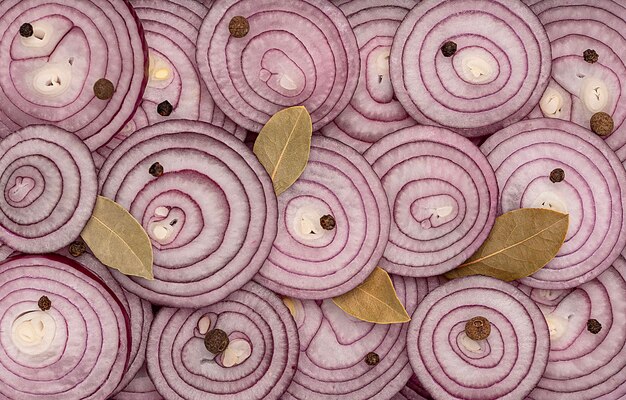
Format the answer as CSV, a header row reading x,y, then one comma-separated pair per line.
x,y
118,240
521,242
374,300
283,146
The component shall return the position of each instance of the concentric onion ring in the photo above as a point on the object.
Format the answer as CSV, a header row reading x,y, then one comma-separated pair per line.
x,y
76,349
49,77
140,388
593,193
310,262
334,345
49,187
298,52
506,365
373,111
211,216
497,75
443,196
182,368
584,365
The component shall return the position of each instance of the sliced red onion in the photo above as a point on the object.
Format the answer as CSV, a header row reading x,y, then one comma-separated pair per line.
x,y
408,394
298,52
49,77
211,215
5,251
76,349
182,367
593,193
443,196
373,111
579,89
334,347
308,261
505,365
496,76
50,187
139,311
583,364
140,388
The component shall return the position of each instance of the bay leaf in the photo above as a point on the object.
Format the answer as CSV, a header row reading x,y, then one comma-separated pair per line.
x,y
375,300
521,242
283,146
118,240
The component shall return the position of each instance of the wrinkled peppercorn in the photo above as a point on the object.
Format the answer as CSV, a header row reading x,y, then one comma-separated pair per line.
x,y
216,341
448,49
26,30
372,358
328,222
594,326
478,328
602,124
165,108
557,175
44,303
590,56
77,248
239,26
103,89
156,170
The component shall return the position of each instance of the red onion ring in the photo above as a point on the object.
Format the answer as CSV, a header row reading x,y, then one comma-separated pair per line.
x,y
333,346
310,262
507,365
48,78
78,349
300,52
182,368
497,75
443,196
140,388
593,192
211,216
373,112
584,365
49,187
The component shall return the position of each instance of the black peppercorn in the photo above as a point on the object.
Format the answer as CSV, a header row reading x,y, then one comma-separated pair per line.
x,y
216,341
372,358
26,30
602,124
239,26
328,222
156,170
165,108
103,89
557,175
44,303
594,326
77,248
448,49
590,56
478,328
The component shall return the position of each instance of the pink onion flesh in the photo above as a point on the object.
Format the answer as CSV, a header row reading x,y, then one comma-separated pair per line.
x,y
442,193
593,193
140,388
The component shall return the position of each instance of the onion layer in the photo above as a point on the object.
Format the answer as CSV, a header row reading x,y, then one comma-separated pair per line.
x,y
49,187
181,367
373,111
211,215
298,52
308,261
49,77
450,365
140,388
334,345
593,193
496,76
78,348
443,196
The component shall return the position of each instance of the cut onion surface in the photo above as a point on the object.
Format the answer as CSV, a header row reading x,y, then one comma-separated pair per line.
x,y
478,338
206,203
334,224
5,251
443,198
139,311
49,186
242,348
373,111
140,388
408,394
588,338
588,39
342,357
473,66
556,164
260,56
65,334
77,64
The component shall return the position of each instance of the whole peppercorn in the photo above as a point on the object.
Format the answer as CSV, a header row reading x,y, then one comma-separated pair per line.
x,y
327,222
602,124
372,359
594,326
239,26
44,303
165,108
103,89
590,56
26,30
216,341
557,175
156,170
77,248
478,328
448,49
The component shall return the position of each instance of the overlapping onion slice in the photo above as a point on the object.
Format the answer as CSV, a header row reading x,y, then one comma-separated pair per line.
x,y
49,77
49,186
211,215
310,262
140,388
76,349
334,345
139,312
593,193
450,365
583,365
298,52
5,251
578,89
373,111
497,75
182,367
443,196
